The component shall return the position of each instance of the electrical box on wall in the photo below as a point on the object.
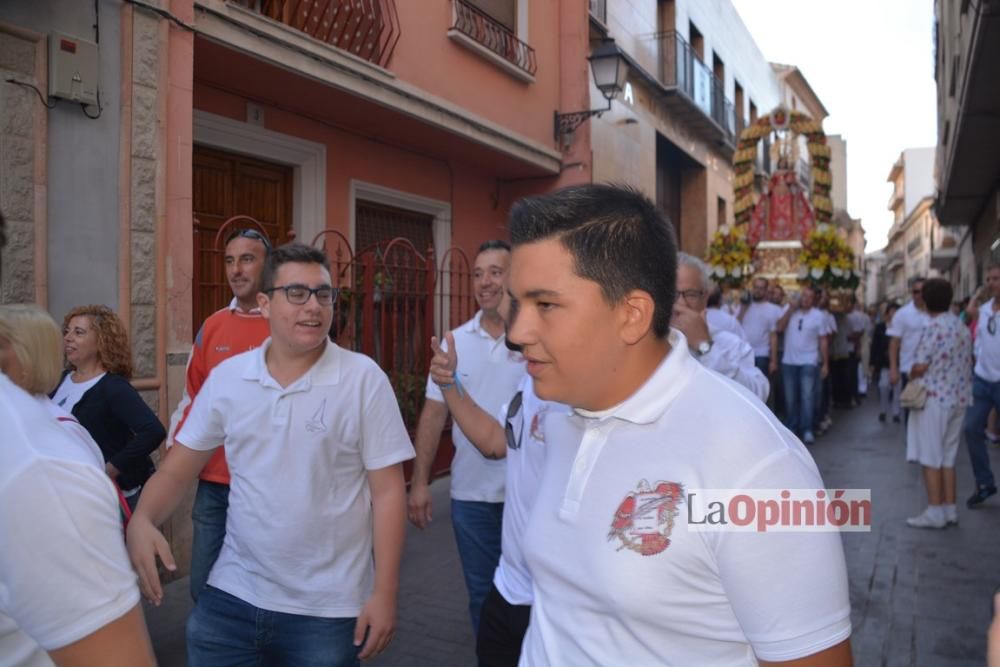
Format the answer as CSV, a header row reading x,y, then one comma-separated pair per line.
x,y
73,68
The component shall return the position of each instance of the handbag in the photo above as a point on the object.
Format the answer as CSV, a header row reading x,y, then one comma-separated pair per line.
x,y
914,395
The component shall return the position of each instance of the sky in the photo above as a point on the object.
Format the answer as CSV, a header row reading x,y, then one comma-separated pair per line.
x,y
871,62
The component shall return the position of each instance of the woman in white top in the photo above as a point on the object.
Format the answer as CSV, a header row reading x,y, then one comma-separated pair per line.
x,y
943,364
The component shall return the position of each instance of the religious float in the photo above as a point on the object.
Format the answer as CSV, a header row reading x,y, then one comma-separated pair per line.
x,y
783,229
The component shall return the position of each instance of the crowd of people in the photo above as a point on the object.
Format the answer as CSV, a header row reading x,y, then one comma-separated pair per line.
x,y
597,384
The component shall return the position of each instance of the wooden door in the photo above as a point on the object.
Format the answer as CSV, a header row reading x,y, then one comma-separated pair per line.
x,y
225,185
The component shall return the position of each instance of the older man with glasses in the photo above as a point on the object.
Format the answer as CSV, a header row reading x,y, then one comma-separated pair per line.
x,y
904,335
717,349
985,387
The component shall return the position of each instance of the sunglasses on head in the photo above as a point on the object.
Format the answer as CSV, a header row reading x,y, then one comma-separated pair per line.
x,y
250,234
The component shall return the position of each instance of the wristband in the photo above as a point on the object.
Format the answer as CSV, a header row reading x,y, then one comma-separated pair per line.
x,y
456,384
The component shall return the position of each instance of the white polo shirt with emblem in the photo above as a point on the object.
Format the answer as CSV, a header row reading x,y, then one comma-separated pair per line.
x,y
489,372
524,470
696,598
299,526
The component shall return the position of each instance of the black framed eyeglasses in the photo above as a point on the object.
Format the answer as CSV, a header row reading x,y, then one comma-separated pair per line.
x,y
513,411
801,320
299,294
991,324
249,234
690,295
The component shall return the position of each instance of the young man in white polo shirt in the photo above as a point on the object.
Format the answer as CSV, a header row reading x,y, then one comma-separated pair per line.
x,y
489,372
516,433
619,577
315,444
805,363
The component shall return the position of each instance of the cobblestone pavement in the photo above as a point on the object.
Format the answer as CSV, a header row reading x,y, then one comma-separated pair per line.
x,y
919,598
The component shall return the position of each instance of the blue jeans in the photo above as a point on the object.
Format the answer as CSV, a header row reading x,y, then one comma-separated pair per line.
x,y
208,521
985,395
225,631
477,526
800,396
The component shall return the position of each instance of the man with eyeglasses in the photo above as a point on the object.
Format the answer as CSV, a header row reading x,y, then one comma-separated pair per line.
x,y
309,570
489,373
904,335
717,349
985,386
804,364
234,329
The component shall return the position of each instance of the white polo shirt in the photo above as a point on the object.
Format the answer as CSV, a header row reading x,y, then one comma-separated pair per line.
x,y
696,598
802,337
907,325
759,321
722,321
299,526
987,348
524,470
733,357
490,373
64,572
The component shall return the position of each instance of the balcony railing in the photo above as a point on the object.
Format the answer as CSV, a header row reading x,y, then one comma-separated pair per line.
x,y
494,36
683,70
368,29
599,10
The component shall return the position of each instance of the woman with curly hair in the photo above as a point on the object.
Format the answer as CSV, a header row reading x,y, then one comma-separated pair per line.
x,y
95,388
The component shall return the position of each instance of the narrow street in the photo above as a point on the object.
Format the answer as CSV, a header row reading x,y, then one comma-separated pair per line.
x,y
919,598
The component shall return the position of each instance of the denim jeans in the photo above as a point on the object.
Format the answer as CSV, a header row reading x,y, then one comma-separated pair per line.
x,y
208,521
225,631
985,395
800,396
477,527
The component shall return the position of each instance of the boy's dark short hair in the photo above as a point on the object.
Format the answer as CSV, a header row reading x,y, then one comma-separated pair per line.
x,y
290,252
492,244
937,293
616,235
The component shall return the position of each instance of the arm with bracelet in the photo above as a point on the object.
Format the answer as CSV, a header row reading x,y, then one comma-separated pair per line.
x,y
485,432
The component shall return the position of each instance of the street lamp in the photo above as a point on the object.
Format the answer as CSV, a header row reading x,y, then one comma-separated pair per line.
x,y
610,69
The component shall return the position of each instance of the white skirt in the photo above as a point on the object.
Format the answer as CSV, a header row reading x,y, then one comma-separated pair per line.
x,y
933,434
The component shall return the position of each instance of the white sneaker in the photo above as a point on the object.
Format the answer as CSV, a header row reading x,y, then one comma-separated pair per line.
x,y
925,520
951,515
808,438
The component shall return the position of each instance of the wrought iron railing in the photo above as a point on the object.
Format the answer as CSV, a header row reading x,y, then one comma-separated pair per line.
x,y
368,29
599,10
495,36
681,68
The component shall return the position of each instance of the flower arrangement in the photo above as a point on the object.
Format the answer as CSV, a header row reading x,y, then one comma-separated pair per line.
x,y
827,260
746,152
729,256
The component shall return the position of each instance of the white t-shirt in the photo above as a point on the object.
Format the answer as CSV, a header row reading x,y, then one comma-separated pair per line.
x,y
524,470
802,337
987,348
64,572
490,373
69,393
299,525
907,325
732,357
759,321
701,598
722,321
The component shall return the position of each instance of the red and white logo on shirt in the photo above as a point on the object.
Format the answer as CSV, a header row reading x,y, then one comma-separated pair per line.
x,y
645,518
